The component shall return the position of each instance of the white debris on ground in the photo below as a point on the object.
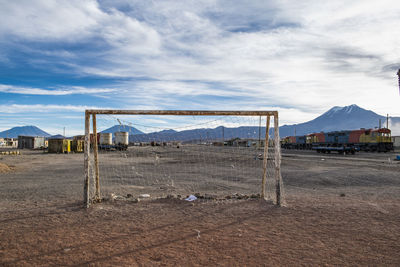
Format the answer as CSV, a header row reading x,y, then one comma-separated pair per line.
x,y
191,198
198,233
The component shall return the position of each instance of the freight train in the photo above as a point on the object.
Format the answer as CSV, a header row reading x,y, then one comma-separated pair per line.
x,y
372,140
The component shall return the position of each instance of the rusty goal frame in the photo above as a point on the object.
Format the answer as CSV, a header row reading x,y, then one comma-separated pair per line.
x,y
91,114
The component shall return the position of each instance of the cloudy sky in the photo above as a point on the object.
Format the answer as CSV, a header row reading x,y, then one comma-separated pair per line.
x,y
299,57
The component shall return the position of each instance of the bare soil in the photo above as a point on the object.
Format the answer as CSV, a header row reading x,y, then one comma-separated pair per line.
x,y
4,168
341,210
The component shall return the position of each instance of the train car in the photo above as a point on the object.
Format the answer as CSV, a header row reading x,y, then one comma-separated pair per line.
x,y
343,141
288,142
374,140
317,138
337,141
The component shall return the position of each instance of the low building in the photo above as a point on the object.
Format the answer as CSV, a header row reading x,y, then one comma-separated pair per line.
x,y
59,145
231,142
240,143
77,145
31,142
11,142
258,143
218,143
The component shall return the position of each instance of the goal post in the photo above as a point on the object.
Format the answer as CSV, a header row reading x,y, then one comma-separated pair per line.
x,y
206,155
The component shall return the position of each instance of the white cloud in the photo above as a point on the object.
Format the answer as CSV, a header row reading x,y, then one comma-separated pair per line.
x,y
43,20
76,21
39,108
58,91
336,54
301,57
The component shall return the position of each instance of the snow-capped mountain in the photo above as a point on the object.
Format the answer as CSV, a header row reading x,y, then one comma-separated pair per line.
x,y
338,118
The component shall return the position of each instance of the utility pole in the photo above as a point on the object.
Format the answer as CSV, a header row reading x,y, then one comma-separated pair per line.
x,y
398,74
64,132
387,121
259,133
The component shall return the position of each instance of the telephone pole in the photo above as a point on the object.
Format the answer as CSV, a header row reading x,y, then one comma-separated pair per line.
x,y
398,74
387,121
259,132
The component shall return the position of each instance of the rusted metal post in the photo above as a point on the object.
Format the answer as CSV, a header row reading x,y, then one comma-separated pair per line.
x,y
96,155
277,161
87,160
265,162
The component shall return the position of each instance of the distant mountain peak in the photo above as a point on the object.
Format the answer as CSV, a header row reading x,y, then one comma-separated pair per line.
x,y
169,131
334,110
29,130
351,108
346,110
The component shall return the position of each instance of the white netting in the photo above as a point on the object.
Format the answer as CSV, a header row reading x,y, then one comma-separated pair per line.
x,y
207,156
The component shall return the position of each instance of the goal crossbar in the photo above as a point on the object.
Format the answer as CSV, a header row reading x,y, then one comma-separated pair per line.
x,y
183,112
91,113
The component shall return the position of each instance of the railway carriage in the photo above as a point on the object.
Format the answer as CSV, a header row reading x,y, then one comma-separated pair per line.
x,y
369,140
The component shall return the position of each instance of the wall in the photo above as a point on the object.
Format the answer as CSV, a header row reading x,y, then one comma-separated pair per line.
x,y
30,142
38,142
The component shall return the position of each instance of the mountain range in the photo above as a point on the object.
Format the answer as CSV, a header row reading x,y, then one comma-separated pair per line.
x,y
337,118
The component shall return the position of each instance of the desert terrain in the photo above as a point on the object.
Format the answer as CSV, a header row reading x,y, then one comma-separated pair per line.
x,y
340,210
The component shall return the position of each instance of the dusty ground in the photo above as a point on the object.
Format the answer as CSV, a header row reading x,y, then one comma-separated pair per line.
x,y
4,168
340,211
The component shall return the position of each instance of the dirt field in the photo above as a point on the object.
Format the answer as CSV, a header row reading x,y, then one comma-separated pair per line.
x,y
341,210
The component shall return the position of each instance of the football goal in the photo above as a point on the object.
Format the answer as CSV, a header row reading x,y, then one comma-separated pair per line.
x,y
215,155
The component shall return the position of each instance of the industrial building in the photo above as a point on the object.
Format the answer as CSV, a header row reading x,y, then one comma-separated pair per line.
x,y
31,142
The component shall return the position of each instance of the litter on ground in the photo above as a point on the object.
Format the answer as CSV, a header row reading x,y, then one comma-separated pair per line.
x,y
191,198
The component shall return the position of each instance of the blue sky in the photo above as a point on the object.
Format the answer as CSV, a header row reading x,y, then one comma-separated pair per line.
x,y
58,58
